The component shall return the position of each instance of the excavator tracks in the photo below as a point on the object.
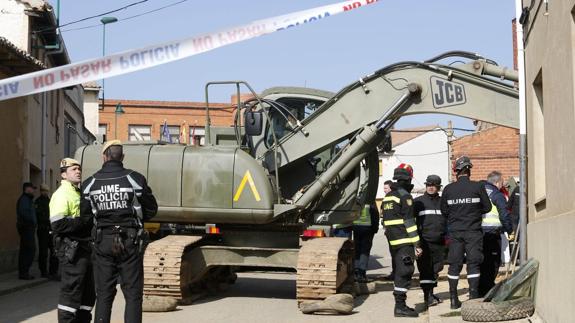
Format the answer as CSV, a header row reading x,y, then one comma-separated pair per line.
x,y
164,268
324,267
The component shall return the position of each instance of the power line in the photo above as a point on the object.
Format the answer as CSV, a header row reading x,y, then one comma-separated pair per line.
x,y
91,17
130,17
436,129
418,155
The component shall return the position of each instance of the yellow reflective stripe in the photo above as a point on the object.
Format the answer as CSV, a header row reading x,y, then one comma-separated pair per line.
x,y
491,220
391,199
412,229
404,241
400,241
393,222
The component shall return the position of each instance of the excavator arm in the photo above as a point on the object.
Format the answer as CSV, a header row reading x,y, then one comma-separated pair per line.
x,y
361,116
462,90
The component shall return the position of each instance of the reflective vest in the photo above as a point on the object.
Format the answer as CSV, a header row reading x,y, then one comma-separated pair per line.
x,y
65,202
364,217
491,219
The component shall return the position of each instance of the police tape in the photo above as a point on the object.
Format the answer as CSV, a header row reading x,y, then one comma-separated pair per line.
x,y
135,60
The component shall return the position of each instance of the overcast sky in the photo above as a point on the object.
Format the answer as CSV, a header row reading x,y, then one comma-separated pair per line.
x,y
328,54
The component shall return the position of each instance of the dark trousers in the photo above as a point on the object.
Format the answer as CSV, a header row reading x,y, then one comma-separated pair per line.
x,y
363,241
27,250
430,263
77,295
491,261
469,245
129,267
403,264
46,256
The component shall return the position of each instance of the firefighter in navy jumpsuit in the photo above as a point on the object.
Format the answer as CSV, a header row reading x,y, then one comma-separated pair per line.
x,y
120,200
432,227
464,202
401,233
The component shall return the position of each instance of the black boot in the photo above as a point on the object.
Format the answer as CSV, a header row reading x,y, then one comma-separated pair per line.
x,y
473,287
402,310
473,294
455,303
429,298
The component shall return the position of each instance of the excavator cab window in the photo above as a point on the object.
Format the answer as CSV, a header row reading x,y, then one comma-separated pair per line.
x,y
283,122
285,117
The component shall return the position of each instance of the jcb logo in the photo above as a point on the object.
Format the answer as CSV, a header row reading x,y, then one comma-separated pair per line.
x,y
446,93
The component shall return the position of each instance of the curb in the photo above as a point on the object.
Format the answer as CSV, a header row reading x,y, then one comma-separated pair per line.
x,y
31,284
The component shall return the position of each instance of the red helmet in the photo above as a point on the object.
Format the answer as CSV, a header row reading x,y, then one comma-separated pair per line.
x,y
403,171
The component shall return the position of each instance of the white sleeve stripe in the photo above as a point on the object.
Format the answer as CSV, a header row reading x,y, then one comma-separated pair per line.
x,y
67,308
85,307
133,182
424,212
452,277
89,186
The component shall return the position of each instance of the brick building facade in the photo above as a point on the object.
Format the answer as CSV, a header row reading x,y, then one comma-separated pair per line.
x,y
493,148
144,120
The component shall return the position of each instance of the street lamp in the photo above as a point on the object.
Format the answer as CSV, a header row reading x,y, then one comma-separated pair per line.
x,y
118,111
105,21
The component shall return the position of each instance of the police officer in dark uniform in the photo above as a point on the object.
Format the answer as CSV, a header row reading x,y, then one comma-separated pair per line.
x,y
120,200
432,227
494,223
46,254
463,203
401,233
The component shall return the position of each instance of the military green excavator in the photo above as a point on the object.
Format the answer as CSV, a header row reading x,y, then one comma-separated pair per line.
x,y
265,192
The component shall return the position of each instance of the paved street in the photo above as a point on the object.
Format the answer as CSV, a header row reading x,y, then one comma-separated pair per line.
x,y
256,297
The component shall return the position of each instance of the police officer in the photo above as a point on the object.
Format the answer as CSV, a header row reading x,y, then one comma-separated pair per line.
x,y
364,229
46,253
120,200
401,233
494,223
463,203
72,243
432,227
26,226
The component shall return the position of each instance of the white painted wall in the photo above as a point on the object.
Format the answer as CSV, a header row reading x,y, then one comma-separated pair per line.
x,y
427,154
91,104
14,23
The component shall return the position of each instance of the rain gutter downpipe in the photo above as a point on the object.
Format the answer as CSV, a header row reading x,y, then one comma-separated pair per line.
x,y
522,135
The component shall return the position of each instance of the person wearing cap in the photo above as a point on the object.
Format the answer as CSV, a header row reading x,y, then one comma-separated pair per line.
x,y
432,227
401,232
26,226
47,260
72,235
494,223
463,203
120,200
